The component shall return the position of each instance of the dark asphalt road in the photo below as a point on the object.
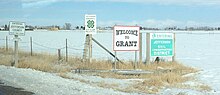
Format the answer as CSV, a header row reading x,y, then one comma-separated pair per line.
x,y
8,90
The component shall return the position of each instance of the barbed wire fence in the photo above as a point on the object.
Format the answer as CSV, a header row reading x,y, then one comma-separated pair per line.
x,y
33,46
64,51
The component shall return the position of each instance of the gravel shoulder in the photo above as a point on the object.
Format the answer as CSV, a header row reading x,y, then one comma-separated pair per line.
x,y
42,83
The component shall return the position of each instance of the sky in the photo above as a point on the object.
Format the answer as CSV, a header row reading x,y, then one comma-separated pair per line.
x,y
148,13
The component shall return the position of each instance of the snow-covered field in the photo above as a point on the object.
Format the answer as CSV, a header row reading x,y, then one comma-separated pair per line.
x,y
198,49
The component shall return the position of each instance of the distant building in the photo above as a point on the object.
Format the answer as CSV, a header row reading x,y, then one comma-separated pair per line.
x,y
2,28
54,29
29,28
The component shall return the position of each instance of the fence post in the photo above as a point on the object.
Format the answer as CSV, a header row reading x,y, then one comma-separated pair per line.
x,y
31,44
90,48
6,43
59,55
66,51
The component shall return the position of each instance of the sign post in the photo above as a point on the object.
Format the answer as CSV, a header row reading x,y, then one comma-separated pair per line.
x,y
161,44
16,29
126,38
90,28
148,48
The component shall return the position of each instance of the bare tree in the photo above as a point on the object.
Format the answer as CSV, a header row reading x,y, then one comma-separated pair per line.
x,y
68,26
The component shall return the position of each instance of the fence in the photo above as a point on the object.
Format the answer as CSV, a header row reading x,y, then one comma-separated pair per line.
x,y
34,46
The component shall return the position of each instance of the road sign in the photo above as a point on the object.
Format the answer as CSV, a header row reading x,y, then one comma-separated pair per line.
x,y
90,24
126,38
161,44
16,28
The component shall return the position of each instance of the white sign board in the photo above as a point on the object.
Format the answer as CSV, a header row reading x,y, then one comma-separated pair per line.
x,y
90,24
16,28
161,44
126,38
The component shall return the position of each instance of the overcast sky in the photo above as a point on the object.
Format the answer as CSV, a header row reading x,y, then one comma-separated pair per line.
x,y
150,13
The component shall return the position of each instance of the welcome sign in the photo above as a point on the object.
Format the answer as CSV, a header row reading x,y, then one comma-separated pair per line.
x,y
126,38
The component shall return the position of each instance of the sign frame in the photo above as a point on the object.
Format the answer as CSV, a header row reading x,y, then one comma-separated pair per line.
x,y
138,38
90,18
166,49
20,28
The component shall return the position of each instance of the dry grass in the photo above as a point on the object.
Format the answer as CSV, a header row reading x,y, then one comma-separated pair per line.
x,y
39,61
5,57
204,88
107,85
155,82
165,74
95,65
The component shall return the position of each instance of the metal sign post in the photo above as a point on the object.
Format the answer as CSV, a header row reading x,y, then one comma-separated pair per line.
x,y
16,29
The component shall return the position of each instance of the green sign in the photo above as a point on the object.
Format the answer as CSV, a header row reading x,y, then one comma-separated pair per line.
x,y
161,44
90,24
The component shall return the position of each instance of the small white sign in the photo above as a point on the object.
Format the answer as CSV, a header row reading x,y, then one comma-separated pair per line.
x,y
90,24
126,38
16,28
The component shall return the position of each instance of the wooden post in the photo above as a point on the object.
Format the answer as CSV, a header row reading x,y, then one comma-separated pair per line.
x,y
59,55
148,48
31,44
174,48
90,48
106,50
86,47
140,52
6,43
135,63
66,51
115,61
16,51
